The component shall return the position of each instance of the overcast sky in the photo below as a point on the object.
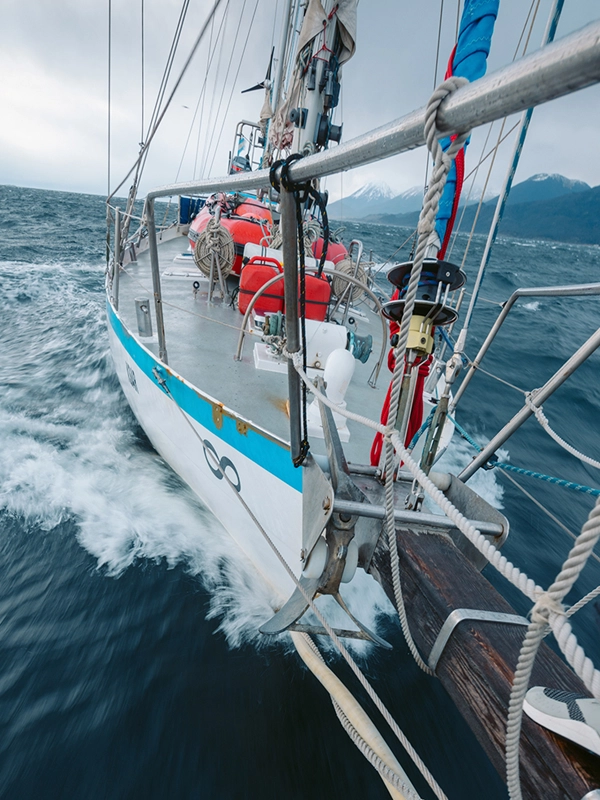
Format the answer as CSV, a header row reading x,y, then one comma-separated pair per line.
x,y
53,58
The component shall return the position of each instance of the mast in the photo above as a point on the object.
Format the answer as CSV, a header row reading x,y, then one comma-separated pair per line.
x,y
281,61
307,91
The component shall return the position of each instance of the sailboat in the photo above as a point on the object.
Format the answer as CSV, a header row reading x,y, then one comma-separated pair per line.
x,y
252,348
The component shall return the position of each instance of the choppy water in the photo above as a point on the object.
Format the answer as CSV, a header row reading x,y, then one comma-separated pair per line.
x,y
129,667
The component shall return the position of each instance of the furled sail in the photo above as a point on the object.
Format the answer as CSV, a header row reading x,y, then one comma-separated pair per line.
x,y
345,10
468,60
327,40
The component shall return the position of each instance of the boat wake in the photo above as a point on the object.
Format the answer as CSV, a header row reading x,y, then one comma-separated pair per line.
x,y
72,454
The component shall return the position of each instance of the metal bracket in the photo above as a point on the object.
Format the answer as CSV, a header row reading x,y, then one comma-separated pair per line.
x,y
462,614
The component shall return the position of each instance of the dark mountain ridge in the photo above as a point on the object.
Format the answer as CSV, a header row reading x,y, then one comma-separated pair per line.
x,y
542,207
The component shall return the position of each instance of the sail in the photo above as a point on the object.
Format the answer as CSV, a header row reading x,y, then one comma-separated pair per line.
x,y
468,60
345,10
327,40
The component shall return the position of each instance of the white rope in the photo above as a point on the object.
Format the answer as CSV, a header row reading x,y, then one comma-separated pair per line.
x,y
549,610
505,567
297,362
355,721
442,163
543,420
584,601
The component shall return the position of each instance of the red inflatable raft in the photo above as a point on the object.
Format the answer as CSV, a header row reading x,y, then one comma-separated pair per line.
x,y
246,219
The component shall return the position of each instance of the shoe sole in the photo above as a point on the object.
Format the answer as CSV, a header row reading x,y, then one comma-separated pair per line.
x,y
579,732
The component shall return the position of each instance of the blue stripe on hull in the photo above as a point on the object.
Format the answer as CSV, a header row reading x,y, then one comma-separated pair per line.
x,y
271,455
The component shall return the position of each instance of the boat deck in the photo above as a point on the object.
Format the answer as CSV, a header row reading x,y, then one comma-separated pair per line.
x,y
192,322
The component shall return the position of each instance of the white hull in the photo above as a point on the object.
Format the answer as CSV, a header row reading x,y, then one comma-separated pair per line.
x,y
254,460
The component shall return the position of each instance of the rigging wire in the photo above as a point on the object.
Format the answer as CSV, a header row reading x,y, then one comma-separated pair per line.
x,y
435,79
164,81
201,98
208,137
109,86
209,58
458,10
529,20
170,98
169,65
474,172
210,122
143,74
233,51
233,85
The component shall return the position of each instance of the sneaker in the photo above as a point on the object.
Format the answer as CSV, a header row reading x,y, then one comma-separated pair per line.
x,y
573,716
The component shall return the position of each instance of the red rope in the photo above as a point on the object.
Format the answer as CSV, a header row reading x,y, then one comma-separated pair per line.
x,y
416,413
459,164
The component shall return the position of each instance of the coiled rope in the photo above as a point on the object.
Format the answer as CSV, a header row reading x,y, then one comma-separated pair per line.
x,y
215,242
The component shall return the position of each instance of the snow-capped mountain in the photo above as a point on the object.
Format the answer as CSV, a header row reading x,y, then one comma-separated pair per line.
x,y
376,199
373,192
545,187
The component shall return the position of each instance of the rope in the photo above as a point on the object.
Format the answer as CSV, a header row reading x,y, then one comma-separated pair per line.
x,y
549,610
543,508
566,640
215,242
541,418
442,163
584,600
578,487
355,721
547,605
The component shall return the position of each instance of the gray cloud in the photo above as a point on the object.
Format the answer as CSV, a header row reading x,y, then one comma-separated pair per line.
x,y
54,98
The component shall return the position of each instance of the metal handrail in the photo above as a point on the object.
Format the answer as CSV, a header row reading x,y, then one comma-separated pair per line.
x,y
560,68
537,398
572,290
327,271
567,65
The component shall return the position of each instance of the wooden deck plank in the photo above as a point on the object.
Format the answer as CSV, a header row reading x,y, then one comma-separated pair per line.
x,y
477,666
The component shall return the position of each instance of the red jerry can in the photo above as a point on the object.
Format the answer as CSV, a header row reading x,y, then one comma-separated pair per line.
x,y
255,274
318,295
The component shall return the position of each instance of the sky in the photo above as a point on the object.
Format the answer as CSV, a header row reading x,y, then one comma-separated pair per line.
x,y
53,58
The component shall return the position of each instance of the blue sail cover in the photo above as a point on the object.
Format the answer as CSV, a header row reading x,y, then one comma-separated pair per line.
x,y
469,61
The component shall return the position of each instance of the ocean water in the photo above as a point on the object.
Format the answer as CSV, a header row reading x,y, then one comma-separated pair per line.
x,y
129,663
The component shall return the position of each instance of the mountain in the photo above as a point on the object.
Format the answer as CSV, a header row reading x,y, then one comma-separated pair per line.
x,y
379,199
376,199
545,187
369,199
543,206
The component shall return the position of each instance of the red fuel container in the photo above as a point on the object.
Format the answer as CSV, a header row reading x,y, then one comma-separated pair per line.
x,y
318,294
255,274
